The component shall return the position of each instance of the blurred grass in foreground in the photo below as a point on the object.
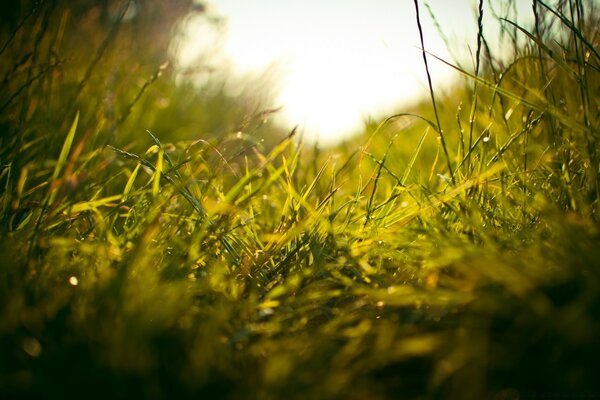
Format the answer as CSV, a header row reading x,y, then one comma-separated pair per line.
x,y
135,264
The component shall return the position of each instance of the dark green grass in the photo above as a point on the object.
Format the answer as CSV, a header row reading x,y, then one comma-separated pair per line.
x,y
149,252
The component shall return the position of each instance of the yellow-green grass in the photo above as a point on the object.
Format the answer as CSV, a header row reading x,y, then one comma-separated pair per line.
x,y
151,251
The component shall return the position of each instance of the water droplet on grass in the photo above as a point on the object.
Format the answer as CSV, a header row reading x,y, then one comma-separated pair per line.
x,y
266,312
444,178
32,346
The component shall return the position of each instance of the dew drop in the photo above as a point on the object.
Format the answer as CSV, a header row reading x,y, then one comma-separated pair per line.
x,y
266,312
32,346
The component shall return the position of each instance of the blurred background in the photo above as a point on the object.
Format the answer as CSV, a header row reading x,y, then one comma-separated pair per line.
x,y
331,65
256,69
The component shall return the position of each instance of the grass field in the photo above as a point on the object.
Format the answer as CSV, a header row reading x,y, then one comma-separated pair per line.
x,y
160,241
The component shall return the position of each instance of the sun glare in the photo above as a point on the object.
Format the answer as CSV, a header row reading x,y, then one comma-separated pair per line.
x,y
339,63
334,84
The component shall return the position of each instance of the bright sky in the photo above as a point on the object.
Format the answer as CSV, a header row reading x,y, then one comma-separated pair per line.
x,y
337,62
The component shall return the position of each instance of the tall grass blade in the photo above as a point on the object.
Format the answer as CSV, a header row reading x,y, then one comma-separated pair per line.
x,y
431,93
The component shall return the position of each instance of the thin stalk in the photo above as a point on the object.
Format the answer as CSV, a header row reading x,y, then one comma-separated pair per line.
x,y
33,10
477,66
101,50
432,94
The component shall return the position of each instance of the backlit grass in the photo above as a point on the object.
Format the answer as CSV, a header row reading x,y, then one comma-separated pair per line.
x,y
157,242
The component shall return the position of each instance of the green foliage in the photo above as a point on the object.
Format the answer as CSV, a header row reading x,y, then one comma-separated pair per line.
x,y
221,267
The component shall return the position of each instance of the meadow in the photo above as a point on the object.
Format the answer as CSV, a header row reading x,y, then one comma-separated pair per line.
x,y
160,240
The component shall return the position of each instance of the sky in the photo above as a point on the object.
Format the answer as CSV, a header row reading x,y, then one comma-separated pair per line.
x,y
335,63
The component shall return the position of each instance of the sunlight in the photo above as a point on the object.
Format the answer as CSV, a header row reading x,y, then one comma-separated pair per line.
x,y
333,85
338,64
163,238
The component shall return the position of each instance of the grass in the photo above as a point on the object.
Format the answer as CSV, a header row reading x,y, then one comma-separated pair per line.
x,y
147,252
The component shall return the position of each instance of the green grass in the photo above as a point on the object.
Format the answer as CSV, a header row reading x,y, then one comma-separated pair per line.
x,y
148,250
